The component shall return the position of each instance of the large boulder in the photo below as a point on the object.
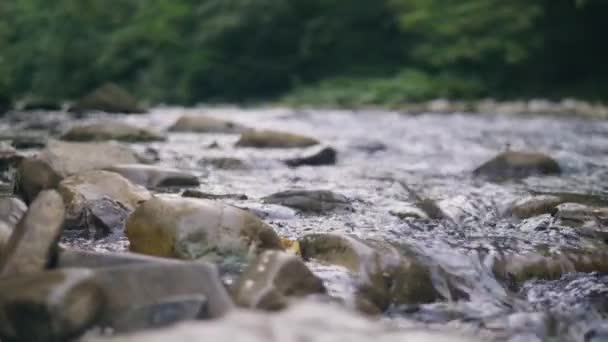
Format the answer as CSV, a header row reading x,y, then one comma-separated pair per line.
x,y
152,294
318,201
274,139
306,321
49,306
111,130
190,228
514,165
386,275
34,241
61,159
109,98
206,124
153,176
99,202
272,278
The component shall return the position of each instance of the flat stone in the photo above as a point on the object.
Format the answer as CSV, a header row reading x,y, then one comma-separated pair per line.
x,y
224,163
309,200
271,278
515,165
75,258
153,176
190,228
34,240
206,195
49,306
206,124
111,130
274,139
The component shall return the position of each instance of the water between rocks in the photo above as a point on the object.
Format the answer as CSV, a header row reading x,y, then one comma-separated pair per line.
x,y
382,158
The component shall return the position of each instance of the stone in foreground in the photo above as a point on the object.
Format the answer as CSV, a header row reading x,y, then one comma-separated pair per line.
x,y
34,240
190,228
206,124
305,321
153,294
310,200
274,139
49,306
274,276
111,130
516,165
99,201
153,176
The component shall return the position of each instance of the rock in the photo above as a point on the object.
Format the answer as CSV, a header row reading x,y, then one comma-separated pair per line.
x,y
111,130
326,156
61,159
386,276
99,201
516,269
5,235
310,200
535,205
153,176
409,211
597,333
306,321
109,98
224,163
205,195
369,146
75,258
514,165
189,228
34,241
206,124
274,139
271,278
49,306
153,294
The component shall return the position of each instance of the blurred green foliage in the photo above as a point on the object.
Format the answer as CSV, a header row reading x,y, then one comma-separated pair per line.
x,y
344,52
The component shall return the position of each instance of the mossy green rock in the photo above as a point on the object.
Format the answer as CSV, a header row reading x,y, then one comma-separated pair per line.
x,y
189,228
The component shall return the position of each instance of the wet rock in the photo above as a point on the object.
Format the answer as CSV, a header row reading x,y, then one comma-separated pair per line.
x,y
224,163
598,333
326,156
369,146
61,159
386,276
409,211
49,306
153,294
205,195
111,130
515,269
190,228
420,209
109,98
153,176
305,321
206,124
318,201
99,202
273,277
513,165
34,241
274,139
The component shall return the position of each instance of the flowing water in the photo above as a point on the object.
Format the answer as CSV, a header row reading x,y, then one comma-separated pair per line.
x,y
384,157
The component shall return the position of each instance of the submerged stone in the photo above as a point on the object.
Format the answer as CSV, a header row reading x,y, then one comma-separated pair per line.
x,y
206,124
310,200
515,165
274,139
111,130
325,156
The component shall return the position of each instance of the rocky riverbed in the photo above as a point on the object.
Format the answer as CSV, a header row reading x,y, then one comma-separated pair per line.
x,y
277,224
